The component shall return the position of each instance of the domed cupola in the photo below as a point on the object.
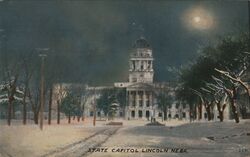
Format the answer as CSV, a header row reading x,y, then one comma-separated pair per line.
x,y
141,43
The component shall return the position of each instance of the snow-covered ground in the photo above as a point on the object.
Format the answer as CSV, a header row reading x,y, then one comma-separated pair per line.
x,y
199,138
29,141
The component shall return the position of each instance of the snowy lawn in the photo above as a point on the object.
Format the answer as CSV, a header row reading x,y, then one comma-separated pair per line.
x,y
199,139
29,140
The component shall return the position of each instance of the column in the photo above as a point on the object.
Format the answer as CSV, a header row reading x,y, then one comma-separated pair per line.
x,y
150,99
131,65
137,104
128,99
144,99
137,65
150,65
144,65
144,104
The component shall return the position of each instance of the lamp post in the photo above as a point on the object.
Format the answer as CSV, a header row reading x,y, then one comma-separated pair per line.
x,y
94,118
42,101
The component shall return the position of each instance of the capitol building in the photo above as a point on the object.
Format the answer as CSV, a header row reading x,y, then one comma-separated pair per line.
x,y
142,98
141,90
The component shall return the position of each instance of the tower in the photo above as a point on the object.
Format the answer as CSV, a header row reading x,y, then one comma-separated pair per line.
x,y
141,63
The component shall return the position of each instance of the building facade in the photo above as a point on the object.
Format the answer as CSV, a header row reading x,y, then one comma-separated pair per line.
x,y
141,90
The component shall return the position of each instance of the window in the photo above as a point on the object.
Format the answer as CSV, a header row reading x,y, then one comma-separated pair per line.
x,y
133,65
140,113
159,114
176,116
147,95
140,93
147,114
142,67
183,115
140,103
149,65
147,103
133,114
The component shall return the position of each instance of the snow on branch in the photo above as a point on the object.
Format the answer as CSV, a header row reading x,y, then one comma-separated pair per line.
x,y
248,53
237,80
3,96
206,90
218,81
19,91
17,98
4,100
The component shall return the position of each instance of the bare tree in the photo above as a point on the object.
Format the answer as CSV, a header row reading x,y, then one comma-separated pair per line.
x,y
232,95
35,102
12,71
28,70
60,92
236,79
220,98
206,101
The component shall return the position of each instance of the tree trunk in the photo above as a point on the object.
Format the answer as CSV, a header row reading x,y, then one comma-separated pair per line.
x,y
13,111
9,112
69,118
234,105
234,110
194,112
221,115
50,104
220,110
83,117
78,118
209,117
165,114
200,111
36,117
208,109
94,118
24,113
58,112
25,106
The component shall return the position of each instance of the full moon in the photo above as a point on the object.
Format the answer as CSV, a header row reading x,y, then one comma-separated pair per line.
x,y
198,18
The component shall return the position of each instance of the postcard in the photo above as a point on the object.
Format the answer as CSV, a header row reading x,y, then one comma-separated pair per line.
x,y
126,78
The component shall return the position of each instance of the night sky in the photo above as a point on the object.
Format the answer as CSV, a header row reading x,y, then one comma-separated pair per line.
x,y
90,41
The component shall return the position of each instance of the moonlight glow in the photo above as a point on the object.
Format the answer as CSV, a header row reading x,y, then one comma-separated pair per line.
x,y
198,18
